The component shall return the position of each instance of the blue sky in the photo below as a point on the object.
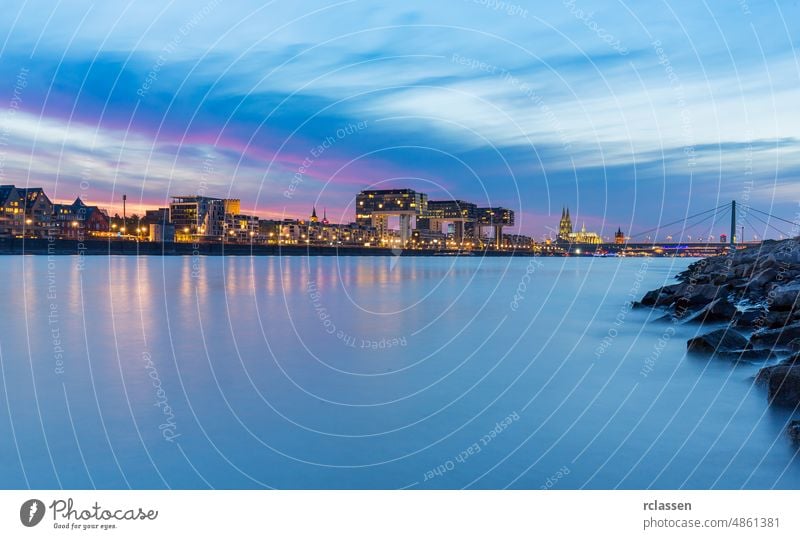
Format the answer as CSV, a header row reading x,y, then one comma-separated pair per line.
x,y
630,113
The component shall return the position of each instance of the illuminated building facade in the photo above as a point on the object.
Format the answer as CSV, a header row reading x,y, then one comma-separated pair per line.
x,y
565,225
375,207
197,217
462,215
567,235
497,219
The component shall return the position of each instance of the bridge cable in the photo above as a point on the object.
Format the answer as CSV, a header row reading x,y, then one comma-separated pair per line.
x,y
680,220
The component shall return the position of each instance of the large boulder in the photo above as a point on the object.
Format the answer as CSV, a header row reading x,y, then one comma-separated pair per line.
x,y
781,337
720,340
785,297
719,310
760,280
751,319
783,384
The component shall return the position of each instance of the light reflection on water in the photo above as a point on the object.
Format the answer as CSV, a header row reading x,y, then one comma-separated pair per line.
x,y
365,373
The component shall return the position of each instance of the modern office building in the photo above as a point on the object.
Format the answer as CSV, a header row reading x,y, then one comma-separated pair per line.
x,y
462,215
497,219
197,217
375,207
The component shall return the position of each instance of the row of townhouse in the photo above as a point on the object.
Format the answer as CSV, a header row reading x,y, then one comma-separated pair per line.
x,y
29,212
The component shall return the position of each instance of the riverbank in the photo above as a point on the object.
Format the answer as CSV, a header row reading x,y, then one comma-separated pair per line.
x,y
95,247
751,299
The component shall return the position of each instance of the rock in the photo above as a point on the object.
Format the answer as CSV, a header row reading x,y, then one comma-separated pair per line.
x,y
762,279
768,261
720,340
793,430
719,310
693,298
783,385
777,319
750,318
775,337
784,297
764,374
762,354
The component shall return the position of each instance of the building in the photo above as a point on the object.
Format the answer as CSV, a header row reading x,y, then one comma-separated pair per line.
x,y
38,207
197,217
565,225
583,236
619,237
242,228
428,239
233,206
161,232
517,242
566,234
462,215
12,212
375,207
78,221
155,217
497,219
24,210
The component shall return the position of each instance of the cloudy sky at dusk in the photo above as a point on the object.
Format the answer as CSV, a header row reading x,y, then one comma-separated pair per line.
x,y
630,113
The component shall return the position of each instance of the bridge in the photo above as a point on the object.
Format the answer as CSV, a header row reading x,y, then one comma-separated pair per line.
x,y
694,235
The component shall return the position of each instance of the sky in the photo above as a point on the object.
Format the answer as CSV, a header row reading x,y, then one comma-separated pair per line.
x,y
634,115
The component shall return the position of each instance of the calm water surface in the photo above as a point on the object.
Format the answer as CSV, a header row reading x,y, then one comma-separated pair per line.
x,y
297,373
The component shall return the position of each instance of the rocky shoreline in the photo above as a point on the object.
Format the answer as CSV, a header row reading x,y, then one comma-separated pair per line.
x,y
751,296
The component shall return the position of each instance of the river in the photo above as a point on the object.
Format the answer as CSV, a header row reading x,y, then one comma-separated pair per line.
x,y
361,372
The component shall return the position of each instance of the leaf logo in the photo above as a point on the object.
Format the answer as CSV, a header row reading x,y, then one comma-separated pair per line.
x,y
31,513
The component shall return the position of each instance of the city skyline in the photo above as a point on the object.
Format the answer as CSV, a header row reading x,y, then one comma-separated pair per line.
x,y
659,122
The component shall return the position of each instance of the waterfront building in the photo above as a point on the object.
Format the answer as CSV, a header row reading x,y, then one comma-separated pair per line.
x,y
583,236
517,241
495,218
11,211
462,215
428,239
77,221
619,237
38,207
197,217
375,207
233,206
565,225
242,228
161,232
24,210
567,235
155,217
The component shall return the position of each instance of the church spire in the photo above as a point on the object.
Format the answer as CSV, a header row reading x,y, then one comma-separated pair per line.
x,y
314,217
